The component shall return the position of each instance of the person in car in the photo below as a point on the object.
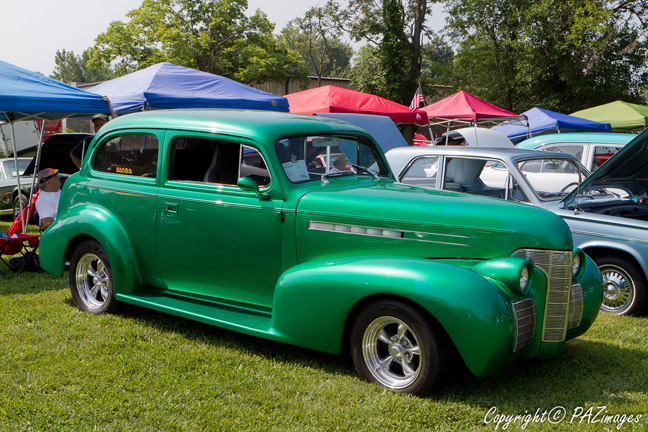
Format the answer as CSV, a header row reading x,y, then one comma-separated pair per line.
x,y
79,150
48,198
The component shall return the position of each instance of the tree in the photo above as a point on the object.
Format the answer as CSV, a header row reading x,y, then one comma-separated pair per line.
x,y
316,37
437,60
366,72
562,56
70,68
213,36
398,28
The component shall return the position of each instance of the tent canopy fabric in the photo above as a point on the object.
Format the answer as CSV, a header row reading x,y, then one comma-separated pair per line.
x,y
168,86
332,99
27,95
541,120
464,106
623,116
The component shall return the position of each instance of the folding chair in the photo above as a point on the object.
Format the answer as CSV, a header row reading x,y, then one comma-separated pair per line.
x,y
24,245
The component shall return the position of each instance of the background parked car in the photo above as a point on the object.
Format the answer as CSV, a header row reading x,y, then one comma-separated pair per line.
x,y
612,230
8,181
55,153
592,149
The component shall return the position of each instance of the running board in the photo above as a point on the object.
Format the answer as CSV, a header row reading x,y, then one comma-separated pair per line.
x,y
244,320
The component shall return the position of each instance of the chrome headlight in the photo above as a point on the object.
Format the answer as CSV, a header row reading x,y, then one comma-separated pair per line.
x,y
525,278
515,273
578,262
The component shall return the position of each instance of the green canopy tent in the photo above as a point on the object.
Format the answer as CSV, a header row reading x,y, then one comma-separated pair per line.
x,y
623,116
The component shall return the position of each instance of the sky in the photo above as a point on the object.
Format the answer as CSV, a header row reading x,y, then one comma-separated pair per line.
x,y
31,31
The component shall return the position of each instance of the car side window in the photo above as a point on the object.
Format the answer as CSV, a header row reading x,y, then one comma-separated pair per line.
x,y
133,155
422,172
601,155
204,160
572,149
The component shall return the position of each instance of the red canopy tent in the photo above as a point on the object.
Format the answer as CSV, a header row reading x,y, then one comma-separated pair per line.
x,y
332,99
464,106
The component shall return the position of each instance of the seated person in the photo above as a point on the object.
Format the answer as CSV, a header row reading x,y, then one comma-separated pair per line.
x,y
339,164
48,198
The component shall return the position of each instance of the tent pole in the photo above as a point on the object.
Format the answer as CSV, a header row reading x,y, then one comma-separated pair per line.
x,y
113,114
15,154
31,191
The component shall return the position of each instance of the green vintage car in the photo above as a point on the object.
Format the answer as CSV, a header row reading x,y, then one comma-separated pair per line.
x,y
239,219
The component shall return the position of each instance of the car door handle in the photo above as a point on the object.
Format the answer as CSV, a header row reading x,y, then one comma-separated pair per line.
x,y
171,207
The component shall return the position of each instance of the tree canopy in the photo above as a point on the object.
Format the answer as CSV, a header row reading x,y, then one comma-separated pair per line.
x,y
562,56
517,54
214,36
398,29
316,36
70,68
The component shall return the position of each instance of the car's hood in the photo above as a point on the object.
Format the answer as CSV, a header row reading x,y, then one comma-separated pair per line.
x,y
627,169
432,223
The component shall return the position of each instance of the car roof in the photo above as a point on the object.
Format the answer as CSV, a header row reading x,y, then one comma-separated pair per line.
x,y
262,126
577,137
398,158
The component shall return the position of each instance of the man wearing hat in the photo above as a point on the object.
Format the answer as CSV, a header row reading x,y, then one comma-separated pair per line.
x,y
79,150
48,198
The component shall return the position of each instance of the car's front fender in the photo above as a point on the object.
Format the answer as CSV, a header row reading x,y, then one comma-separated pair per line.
x,y
312,302
90,222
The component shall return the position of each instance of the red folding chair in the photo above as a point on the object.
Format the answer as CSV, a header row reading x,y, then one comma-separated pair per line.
x,y
24,245
17,225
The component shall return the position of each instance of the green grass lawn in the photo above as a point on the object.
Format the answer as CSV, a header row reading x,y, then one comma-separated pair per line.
x,y
139,370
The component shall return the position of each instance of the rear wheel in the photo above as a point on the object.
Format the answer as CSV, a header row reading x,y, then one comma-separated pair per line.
x,y
91,279
624,287
398,347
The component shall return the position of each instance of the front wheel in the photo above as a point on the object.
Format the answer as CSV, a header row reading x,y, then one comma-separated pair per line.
x,y
624,288
91,279
398,347
16,204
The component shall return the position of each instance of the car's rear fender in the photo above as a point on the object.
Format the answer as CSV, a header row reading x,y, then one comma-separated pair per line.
x,y
90,222
313,300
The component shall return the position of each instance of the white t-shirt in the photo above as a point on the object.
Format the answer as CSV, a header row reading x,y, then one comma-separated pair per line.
x,y
47,204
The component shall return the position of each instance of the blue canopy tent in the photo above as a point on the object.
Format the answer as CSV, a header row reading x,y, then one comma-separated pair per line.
x,y
168,86
27,95
544,121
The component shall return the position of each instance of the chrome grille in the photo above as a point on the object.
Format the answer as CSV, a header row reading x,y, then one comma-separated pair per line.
x,y
525,323
557,265
576,306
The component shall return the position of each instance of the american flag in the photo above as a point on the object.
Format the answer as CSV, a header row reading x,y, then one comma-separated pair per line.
x,y
417,100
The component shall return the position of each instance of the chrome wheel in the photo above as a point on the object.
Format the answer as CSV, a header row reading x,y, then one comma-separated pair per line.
x,y
392,352
618,289
92,281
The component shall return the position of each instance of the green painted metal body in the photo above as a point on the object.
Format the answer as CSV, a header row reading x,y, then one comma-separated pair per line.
x,y
295,264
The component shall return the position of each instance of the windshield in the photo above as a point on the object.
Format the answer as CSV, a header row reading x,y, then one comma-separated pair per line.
x,y
552,179
10,166
307,158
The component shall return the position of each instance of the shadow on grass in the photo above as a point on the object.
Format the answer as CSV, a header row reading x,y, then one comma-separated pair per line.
x,y
588,371
246,344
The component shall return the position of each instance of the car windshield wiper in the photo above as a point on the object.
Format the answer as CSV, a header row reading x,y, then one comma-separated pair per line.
x,y
367,170
326,176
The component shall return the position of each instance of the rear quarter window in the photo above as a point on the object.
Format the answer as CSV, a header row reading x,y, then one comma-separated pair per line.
x,y
132,155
